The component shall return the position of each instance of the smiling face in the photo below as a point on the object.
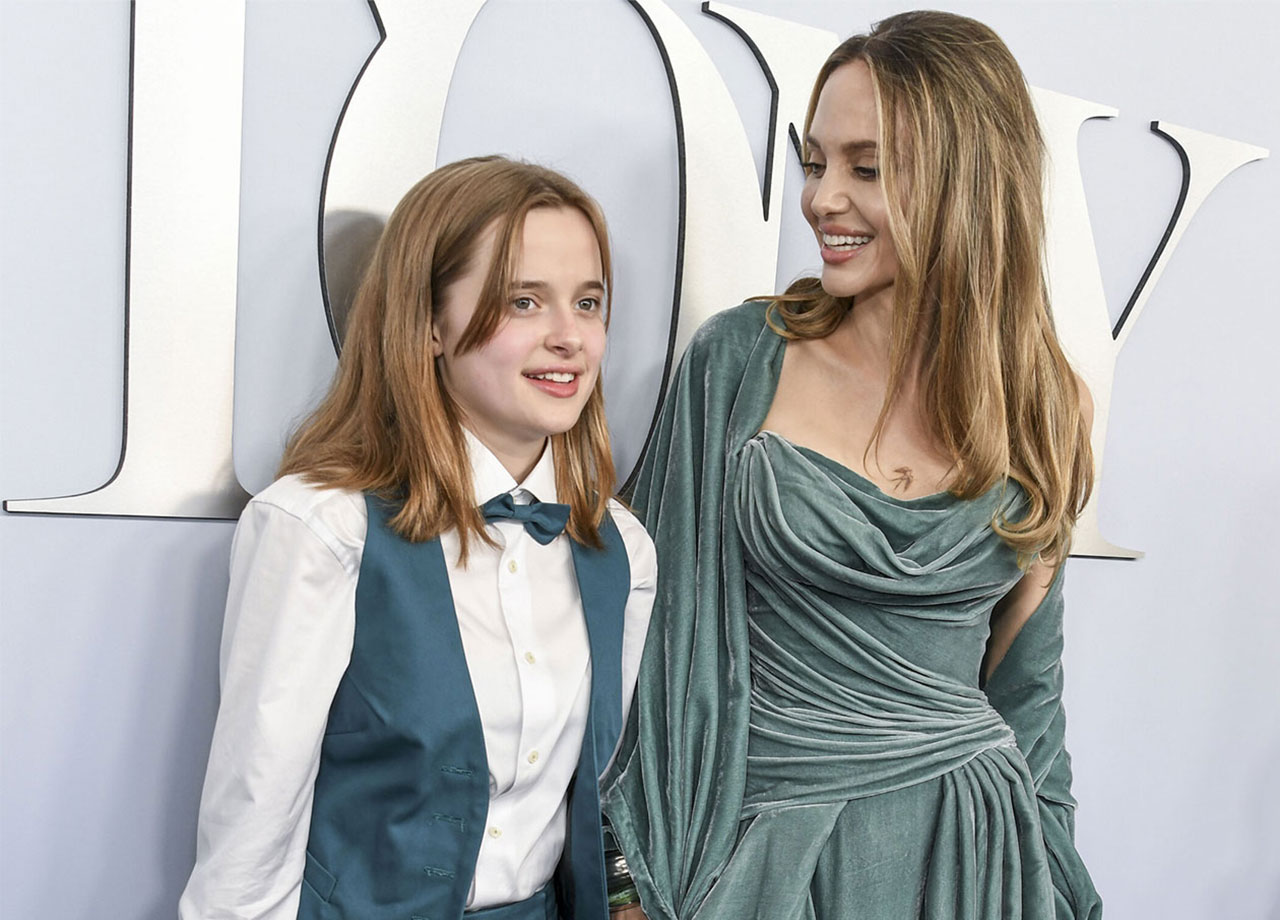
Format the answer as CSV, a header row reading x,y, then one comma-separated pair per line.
x,y
532,377
843,198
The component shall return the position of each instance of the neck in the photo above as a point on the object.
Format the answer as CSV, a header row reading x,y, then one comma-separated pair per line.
x,y
517,457
866,337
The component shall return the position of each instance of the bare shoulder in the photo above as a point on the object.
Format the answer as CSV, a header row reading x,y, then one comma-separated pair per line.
x,y
1014,610
1031,588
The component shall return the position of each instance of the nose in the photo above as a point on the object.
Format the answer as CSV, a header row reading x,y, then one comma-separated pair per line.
x,y
830,194
564,336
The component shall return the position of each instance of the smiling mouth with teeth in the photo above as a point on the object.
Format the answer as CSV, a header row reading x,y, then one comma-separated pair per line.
x,y
844,243
553,376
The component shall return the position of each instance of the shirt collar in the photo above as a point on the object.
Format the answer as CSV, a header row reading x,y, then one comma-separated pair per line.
x,y
489,477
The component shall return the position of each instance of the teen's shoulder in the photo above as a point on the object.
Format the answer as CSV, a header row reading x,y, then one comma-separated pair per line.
x,y
335,514
640,550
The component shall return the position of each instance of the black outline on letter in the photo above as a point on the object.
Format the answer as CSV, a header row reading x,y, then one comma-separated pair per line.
x,y
683,171
766,186
1168,230
324,178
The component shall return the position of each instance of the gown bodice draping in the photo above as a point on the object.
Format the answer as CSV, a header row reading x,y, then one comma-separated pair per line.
x,y
810,739
867,621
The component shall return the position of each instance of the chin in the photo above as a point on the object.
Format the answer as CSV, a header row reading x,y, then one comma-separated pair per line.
x,y
558,425
838,287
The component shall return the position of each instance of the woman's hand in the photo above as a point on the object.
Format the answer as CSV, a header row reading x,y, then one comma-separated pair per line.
x,y
630,912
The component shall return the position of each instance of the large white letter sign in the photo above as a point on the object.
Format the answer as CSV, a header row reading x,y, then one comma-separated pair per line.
x,y
1075,286
186,75
185,111
1080,307
718,182
387,136
718,185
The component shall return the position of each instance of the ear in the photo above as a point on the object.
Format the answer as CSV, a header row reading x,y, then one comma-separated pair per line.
x,y
437,342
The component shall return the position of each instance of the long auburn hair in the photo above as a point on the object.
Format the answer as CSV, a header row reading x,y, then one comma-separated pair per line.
x,y
962,161
387,424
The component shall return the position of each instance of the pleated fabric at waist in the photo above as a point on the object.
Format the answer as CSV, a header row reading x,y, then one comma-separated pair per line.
x,y
811,754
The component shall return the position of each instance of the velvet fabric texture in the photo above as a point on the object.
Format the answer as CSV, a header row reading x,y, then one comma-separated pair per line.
x,y
809,737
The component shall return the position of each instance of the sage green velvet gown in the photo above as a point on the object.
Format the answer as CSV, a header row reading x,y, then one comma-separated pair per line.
x,y
809,737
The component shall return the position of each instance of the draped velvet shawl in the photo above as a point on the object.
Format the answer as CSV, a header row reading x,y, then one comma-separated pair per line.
x,y
681,787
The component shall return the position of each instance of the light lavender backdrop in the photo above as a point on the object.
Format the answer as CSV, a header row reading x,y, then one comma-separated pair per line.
x,y
109,627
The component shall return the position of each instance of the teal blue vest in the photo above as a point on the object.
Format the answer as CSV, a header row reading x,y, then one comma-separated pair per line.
x,y
403,787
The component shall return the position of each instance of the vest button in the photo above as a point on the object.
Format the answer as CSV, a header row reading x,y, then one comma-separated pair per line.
x,y
533,757
512,567
495,832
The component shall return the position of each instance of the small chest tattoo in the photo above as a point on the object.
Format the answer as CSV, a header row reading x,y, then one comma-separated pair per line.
x,y
902,481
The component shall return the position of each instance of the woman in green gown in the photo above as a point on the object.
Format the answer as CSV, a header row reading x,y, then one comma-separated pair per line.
x,y
861,493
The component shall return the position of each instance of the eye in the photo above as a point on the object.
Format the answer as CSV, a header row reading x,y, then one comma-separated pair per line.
x,y
870,173
589,304
523,304
812,168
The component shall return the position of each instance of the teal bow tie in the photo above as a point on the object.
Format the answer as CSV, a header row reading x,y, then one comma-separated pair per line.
x,y
544,521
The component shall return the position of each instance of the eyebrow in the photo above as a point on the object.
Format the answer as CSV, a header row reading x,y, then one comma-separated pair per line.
x,y
541,287
852,147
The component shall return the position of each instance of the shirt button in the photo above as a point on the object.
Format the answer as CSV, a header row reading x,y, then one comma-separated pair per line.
x,y
495,832
512,567
530,657
533,757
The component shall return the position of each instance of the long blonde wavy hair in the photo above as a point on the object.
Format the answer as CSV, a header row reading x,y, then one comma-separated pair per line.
x,y
387,424
962,161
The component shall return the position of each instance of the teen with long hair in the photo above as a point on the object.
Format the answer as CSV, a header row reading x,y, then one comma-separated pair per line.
x,y
851,707
436,614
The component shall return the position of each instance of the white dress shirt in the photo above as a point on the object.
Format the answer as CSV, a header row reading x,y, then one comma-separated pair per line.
x,y
287,640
